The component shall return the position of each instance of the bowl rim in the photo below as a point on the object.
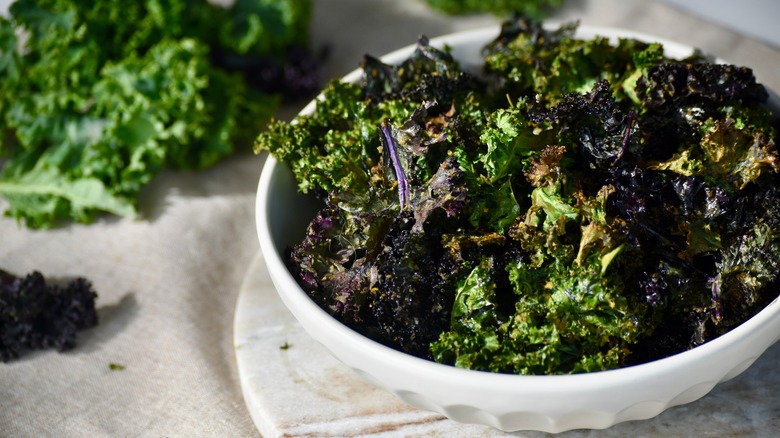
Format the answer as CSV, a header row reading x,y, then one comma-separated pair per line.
x,y
291,292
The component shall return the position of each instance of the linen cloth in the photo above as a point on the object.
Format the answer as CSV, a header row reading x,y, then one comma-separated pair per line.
x,y
168,281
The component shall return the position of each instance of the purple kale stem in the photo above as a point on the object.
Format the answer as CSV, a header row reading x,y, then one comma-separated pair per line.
x,y
716,296
403,184
626,136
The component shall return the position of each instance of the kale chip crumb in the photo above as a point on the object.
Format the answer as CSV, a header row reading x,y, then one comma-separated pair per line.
x,y
35,315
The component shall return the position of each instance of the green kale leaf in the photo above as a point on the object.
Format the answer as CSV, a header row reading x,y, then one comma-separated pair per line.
x,y
97,99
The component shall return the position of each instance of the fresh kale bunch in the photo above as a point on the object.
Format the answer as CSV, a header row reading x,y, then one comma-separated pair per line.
x,y
97,97
36,315
576,206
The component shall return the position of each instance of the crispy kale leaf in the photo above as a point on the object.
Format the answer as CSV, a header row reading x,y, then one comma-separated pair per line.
x,y
337,152
567,318
576,209
567,312
377,156
99,97
36,315
546,64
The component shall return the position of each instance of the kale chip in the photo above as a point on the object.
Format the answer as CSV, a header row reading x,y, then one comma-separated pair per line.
x,y
35,315
583,205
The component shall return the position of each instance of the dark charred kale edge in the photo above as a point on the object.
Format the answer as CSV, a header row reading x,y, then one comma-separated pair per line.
x,y
35,315
568,213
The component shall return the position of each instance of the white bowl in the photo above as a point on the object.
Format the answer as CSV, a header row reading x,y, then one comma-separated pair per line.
x,y
508,402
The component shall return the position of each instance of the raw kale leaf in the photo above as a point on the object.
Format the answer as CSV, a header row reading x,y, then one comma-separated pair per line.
x,y
573,210
99,97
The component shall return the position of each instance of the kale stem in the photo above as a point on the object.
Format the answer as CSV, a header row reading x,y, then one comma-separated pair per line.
x,y
716,296
403,183
626,136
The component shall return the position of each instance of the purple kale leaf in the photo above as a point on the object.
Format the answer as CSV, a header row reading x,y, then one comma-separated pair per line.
x,y
35,315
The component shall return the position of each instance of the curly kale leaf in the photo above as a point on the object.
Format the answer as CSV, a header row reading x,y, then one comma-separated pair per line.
x,y
265,27
445,191
509,143
681,101
530,60
473,341
36,315
673,84
332,150
734,149
566,318
594,123
748,262
567,243
700,273
102,97
335,261
542,146
364,256
379,275
429,74
342,150
411,299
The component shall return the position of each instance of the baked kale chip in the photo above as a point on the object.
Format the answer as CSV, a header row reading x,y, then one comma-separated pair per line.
x,y
582,205
35,315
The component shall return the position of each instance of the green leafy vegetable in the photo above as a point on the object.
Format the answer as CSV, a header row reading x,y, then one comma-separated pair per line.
x,y
582,206
98,97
